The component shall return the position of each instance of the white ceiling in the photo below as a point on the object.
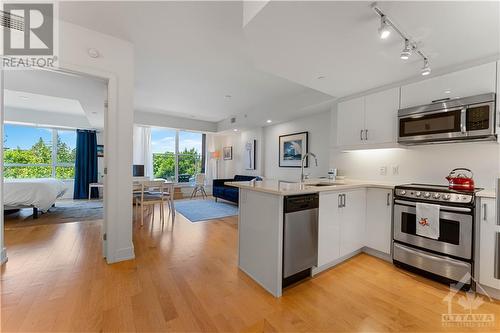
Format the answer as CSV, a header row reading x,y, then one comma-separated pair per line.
x,y
58,93
301,41
189,55
28,101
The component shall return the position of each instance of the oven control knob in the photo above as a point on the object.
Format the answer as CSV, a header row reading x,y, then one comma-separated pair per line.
x,y
418,194
403,192
427,195
446,197
436,195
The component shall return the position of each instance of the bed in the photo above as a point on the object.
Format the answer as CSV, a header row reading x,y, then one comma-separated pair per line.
x,y
39,193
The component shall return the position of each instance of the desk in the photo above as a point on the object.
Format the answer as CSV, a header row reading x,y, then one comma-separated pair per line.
x,y
94,185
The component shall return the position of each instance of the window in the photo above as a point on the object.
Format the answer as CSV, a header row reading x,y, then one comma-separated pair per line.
x,y
177,155
30,152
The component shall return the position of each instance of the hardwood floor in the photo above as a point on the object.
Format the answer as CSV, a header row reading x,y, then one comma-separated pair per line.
x,y
186,279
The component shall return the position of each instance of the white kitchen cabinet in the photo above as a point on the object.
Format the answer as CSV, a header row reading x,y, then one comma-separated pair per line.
x,y
468,82
381,112
341,224
379,219
329,228
368,120
350,122
488,247
352,225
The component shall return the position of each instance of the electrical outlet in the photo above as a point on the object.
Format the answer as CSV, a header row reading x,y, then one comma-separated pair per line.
x,y
395,170
383,171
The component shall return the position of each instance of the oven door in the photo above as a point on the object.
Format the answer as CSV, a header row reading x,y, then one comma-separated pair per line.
x,y
455,229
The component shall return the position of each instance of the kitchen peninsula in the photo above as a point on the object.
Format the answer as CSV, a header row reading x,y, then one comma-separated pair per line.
x,y
342,210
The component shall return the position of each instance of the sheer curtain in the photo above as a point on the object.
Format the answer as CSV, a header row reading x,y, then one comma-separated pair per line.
x,y
142,149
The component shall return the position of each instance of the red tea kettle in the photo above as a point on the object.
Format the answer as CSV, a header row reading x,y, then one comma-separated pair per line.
x,y
459,181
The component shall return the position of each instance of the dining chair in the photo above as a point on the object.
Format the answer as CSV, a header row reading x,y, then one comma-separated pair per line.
x,y
151,193
199,186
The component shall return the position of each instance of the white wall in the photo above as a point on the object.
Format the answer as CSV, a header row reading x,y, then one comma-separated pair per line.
x,y
169,121
117,64
229,168
318,126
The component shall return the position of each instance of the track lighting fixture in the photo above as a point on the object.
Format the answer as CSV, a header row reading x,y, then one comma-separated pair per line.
x,y
426,70
406,53
387,25
384,30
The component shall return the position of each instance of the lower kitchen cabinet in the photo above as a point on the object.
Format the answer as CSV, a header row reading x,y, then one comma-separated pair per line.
x,y
341,224
352,225
489,244
378,219
329,227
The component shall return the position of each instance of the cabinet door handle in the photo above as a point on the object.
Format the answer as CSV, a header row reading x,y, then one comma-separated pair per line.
x,y
485,215
388,199
339,201
366,134
361,135
343,200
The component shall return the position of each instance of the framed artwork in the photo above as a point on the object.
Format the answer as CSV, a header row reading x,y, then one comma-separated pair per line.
x,y
227,153
100,150
292,148
249,155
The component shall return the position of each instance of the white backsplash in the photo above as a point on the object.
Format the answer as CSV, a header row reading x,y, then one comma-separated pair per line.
x,y
422,164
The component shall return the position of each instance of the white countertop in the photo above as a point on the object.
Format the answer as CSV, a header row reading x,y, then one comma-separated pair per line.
x,y
289,188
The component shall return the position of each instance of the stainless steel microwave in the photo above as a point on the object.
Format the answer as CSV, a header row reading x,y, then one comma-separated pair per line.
x,y
459,119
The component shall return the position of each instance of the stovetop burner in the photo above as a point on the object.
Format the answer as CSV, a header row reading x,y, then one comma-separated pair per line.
x,y
436,188
435,193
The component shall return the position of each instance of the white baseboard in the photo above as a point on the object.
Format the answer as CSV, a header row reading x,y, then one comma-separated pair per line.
x,y
488,291
3,256
378,254
334,263
121,255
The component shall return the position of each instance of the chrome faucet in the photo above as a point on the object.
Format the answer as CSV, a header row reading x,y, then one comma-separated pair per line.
x,y
302,177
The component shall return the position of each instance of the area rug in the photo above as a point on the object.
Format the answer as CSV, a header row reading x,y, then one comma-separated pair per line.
x,y
64,212
203,210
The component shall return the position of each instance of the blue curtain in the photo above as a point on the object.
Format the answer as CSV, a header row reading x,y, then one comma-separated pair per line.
x,y
86,164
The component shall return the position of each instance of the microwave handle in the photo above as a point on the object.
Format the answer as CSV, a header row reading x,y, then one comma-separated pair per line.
x,y
463,120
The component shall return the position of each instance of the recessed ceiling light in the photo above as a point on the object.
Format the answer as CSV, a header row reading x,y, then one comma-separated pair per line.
x,y
236,130
228,96
269,121
93,53
447,91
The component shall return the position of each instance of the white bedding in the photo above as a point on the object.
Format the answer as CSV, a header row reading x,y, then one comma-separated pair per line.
x,y
41,193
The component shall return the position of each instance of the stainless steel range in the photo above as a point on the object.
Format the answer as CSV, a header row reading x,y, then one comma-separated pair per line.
x,y
447,258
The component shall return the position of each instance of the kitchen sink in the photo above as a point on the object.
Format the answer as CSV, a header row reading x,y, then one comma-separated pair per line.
x,y
324,184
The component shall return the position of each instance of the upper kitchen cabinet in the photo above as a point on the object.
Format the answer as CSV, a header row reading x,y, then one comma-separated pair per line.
x,y
381,111
351,122
368,120
468,82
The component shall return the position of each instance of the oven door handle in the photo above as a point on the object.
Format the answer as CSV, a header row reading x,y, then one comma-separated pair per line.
x,y
448,208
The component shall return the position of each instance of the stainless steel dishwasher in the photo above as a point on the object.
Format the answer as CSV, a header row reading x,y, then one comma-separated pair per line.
x,y
300,237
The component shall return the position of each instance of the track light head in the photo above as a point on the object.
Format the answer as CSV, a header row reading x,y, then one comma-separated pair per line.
x,y
406,53
426,70
384,30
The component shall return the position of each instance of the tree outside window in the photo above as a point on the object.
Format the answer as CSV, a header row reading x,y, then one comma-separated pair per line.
x,y
29,152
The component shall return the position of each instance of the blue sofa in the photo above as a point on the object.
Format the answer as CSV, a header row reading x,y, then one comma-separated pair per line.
x,y
229,193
